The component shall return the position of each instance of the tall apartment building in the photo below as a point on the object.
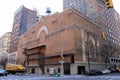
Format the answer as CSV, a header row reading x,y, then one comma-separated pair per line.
x,y
4,46
107,19
24,19
113,34
80,5
93,9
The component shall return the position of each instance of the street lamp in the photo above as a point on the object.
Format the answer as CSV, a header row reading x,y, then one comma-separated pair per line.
x,y
62,67
88,52
62,62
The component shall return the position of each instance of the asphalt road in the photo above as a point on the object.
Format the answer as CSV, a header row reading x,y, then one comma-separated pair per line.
x,y
115,76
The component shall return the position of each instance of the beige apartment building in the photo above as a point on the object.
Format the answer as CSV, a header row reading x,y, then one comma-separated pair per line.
x,y
4,47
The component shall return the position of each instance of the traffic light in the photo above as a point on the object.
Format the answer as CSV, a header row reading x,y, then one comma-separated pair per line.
x,y
109,4
102,35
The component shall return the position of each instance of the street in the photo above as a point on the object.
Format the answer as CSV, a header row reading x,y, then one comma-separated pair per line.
x,y
113,76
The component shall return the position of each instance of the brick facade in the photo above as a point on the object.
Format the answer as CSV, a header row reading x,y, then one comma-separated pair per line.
x,y
68,34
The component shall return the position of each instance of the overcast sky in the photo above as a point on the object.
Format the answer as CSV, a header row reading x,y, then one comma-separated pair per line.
x,y
8,7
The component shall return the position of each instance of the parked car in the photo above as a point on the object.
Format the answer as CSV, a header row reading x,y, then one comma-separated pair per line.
x,y
112,70
95,72
3,72
106,71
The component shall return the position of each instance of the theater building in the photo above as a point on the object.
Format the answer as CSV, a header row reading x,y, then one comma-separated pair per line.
x,y
69,37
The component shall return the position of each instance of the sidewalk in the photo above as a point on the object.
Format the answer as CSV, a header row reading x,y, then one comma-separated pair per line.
x,y
43,75
47,75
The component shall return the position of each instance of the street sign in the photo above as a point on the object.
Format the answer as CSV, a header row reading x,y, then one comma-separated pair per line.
x,y
61,61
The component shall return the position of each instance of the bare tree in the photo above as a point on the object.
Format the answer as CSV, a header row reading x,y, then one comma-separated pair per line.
x,y
3,62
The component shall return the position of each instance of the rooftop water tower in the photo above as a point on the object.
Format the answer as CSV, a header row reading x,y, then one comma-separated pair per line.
x,y
48,11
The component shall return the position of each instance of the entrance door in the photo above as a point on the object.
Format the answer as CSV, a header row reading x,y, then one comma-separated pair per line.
x,y
33,70
66,68
81,69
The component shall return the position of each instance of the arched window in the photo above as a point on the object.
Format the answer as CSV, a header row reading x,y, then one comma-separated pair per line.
x,y
43,31
43,28
91,47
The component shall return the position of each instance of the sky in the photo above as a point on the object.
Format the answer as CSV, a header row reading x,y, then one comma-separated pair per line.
x,y
8,8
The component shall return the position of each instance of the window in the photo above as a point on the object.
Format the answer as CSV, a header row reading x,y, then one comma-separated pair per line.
x,y
113,41
92,47
92,7
94,16
98,43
